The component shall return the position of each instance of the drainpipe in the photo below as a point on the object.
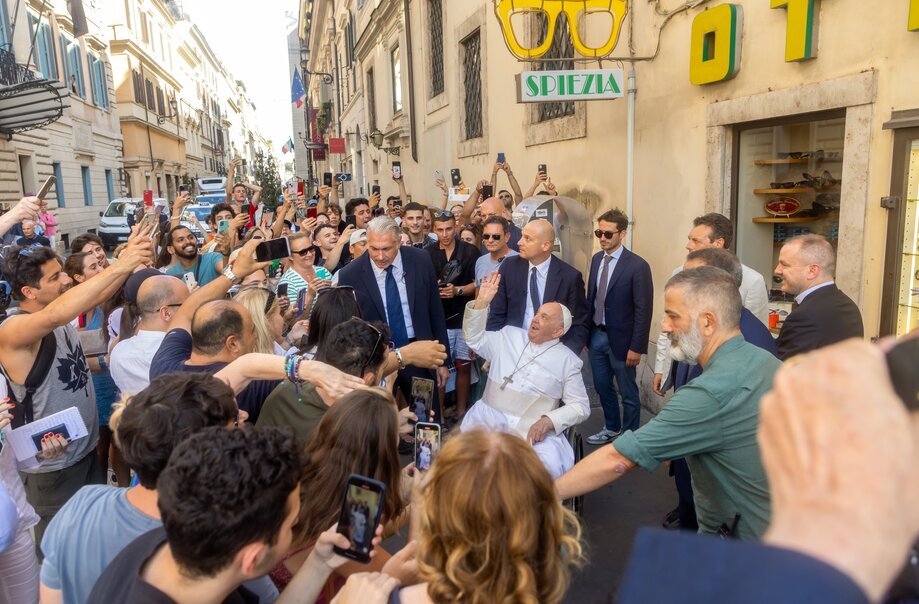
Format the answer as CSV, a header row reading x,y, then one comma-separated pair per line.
x,y
630,153
411,79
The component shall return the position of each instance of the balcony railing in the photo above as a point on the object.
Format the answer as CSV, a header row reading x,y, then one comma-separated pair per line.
x,y
12,73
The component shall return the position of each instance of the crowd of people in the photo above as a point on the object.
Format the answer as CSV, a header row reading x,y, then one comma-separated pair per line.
x,y
230,403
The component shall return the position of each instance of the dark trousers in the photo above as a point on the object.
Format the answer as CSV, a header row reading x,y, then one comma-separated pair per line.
x,y
687,506
404,383
48,492
606,368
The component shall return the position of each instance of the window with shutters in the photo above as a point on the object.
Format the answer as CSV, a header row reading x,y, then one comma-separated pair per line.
x,y
98,81
72,58
160,102
472,85
436,21
138,87
558,58
151,97
45,52
395,62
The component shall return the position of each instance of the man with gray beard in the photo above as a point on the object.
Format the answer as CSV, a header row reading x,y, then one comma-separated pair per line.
x,y
711,421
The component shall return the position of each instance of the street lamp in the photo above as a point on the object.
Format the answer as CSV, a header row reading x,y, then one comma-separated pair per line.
x,y
174,106
376,138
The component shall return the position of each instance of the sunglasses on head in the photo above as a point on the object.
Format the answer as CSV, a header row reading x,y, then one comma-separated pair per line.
x,y
27,251
443,214
605,234
486,237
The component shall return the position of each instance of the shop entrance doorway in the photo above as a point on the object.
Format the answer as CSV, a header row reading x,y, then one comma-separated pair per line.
x,y
900,304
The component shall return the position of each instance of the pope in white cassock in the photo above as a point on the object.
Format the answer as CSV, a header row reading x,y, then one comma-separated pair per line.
x,y
530,373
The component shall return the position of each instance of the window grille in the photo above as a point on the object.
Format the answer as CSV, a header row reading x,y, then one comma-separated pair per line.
x,y
435,19
562,48
472,84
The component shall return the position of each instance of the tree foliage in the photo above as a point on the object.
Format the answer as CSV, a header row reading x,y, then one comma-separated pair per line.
x,y
268,177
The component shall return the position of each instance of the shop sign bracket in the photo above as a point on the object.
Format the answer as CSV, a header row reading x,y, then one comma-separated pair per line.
x,y
890,202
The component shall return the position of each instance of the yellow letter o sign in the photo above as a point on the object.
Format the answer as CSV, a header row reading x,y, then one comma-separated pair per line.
x,y
716,41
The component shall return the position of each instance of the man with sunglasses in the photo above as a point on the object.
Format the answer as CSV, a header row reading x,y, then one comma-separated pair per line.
x,y
155,298
495,235
620,292
46,309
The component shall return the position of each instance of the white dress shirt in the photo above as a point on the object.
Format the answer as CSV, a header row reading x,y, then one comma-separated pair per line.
x,y
800,297
542,272
131,359
399,275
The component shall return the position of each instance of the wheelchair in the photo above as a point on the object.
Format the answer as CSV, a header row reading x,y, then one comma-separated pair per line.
x,y
575,504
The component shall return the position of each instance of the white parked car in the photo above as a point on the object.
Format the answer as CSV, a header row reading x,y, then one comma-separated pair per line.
x,y
113,222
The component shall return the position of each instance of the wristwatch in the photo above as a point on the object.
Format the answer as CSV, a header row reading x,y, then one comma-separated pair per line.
x,y
228,273
459,291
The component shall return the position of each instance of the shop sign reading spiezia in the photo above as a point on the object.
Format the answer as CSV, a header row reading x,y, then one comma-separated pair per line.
x,y
567,85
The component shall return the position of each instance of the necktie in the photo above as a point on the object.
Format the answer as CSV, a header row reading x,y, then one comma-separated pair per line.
x,y
394,310
600,310
534,292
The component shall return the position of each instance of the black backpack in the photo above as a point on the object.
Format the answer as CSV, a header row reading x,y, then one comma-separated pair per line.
x,y
24,413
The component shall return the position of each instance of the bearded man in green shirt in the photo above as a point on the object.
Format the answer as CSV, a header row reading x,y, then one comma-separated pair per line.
x,y
711,421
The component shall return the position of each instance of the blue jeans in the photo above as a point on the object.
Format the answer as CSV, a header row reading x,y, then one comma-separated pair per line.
x,y
605,367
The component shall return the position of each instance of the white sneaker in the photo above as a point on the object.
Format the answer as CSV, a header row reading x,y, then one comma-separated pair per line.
x,y
602,437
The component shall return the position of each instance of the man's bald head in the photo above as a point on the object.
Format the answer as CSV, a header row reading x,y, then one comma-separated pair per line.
x,y
493,206
163,290
804,262
816,250
537,241
220,325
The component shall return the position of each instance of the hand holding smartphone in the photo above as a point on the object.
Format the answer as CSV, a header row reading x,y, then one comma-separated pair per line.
x,y
46,186
361,508
397,170
455,177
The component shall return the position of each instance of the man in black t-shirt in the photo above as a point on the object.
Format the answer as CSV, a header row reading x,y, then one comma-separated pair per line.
x,y
252,476
454,264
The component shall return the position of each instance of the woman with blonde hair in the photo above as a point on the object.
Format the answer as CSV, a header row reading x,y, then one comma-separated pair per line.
x,y
490,527
264,307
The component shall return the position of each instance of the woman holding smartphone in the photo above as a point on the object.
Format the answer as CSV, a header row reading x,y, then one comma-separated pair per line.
x,y
490,527
358,435
302,273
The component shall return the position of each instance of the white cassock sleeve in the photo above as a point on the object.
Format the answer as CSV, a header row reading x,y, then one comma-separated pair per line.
x,y
574,394
483,343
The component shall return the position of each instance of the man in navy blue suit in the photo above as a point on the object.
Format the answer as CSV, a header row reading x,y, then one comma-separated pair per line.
x,y
537,277
397,285
621,297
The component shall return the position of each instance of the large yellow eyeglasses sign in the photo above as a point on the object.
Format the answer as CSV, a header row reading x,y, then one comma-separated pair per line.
x,y
913,15
715,52
577,12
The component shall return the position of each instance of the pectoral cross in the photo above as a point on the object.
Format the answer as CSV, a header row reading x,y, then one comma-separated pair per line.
x,y
507,380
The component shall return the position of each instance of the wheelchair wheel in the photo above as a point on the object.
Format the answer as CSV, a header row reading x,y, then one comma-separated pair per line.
x,y
575,504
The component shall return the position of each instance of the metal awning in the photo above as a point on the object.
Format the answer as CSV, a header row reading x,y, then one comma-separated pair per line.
x,y
31,105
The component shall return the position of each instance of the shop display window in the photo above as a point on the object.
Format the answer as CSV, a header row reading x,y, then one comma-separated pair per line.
x,y
788,182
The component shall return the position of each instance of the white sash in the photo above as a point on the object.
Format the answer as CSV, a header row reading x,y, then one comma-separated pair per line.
x,y
528,407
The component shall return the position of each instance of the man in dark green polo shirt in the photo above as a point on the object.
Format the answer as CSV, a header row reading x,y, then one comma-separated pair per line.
x,y
355,347
711,421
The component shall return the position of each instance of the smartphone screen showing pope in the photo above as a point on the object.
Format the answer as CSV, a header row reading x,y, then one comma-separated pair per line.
x,y
427,444
361,507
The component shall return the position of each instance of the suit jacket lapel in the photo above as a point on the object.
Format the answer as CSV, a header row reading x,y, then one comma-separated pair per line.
x,y
371,280
411,277
620,268
592,278
552,279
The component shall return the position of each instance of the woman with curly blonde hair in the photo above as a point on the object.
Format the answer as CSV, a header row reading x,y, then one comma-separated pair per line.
x,y
491,529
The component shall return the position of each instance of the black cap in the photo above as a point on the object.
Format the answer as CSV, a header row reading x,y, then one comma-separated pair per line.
x,y
132,285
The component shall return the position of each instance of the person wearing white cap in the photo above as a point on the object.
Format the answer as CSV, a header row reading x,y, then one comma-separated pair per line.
x,y
531,373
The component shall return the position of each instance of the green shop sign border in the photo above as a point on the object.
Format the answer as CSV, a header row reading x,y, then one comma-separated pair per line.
x,y
568,85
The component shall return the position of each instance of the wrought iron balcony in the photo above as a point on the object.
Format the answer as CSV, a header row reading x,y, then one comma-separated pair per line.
x,y
12,73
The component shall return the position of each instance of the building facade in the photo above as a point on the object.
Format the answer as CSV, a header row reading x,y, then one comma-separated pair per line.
x,y
734,106
83,148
